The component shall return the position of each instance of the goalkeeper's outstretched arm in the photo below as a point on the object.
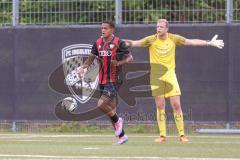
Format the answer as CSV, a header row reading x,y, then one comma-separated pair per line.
x,y
214,42
131,43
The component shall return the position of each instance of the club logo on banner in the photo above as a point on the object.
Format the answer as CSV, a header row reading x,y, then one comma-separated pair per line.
x,y
74,56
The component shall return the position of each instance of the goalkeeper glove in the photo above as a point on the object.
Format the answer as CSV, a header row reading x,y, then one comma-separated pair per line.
x,y
216,42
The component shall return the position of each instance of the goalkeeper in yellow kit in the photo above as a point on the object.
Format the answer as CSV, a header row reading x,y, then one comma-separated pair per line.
x,y
162,53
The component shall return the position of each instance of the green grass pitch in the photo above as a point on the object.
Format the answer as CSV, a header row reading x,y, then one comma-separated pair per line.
x,y
100,146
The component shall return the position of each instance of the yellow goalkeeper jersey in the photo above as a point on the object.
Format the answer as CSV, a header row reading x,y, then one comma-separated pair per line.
x,y
162,52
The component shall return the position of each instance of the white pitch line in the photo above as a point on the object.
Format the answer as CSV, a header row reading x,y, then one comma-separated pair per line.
x,y
27,140
210,142
91,148
2,136
46,136
175,142
97,157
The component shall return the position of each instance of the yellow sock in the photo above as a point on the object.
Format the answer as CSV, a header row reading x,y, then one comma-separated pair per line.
x,y
178,117
161,119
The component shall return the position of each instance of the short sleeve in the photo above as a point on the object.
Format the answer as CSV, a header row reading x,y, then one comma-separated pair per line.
x,y
179,40
147,41
122,48
94,49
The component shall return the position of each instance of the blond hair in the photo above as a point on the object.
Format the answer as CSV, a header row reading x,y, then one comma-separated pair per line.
x,y
163,20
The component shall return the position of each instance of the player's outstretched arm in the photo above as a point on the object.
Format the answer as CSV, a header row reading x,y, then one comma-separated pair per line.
x,y
214,42
131,43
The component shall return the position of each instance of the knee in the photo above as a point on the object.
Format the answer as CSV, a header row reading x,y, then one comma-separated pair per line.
x,y
160,105
176,106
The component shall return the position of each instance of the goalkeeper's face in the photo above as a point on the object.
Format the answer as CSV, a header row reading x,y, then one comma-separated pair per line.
x,y
162,28
107,30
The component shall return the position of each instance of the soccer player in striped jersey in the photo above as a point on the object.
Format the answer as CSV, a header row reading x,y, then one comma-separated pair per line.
x,y
162,55
111,54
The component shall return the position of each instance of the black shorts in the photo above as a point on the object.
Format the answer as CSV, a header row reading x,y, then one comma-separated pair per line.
x,y
109,90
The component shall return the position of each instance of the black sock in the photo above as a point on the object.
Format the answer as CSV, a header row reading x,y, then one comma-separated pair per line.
x,y
122,134
114,118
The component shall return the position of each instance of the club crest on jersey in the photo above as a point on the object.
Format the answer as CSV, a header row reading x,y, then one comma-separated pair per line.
x,y
74,56
111,46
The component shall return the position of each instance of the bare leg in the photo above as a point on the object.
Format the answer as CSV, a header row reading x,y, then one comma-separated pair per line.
x,y
107,105
176,104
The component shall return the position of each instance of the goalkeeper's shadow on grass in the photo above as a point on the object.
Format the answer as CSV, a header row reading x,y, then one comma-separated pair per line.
x,y
135,84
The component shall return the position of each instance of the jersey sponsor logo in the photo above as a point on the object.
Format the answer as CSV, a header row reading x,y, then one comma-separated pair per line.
x,y
73,56
105,53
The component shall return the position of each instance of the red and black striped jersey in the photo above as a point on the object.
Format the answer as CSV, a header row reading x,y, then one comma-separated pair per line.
x,y
107,51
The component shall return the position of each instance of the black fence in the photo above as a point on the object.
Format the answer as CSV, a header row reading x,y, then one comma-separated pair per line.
x,y
209,78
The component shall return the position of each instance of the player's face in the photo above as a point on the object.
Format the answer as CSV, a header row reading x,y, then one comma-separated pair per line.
x,y
162,28
107,31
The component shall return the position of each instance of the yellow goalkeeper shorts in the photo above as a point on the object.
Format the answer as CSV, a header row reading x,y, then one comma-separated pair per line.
x,y
166,85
